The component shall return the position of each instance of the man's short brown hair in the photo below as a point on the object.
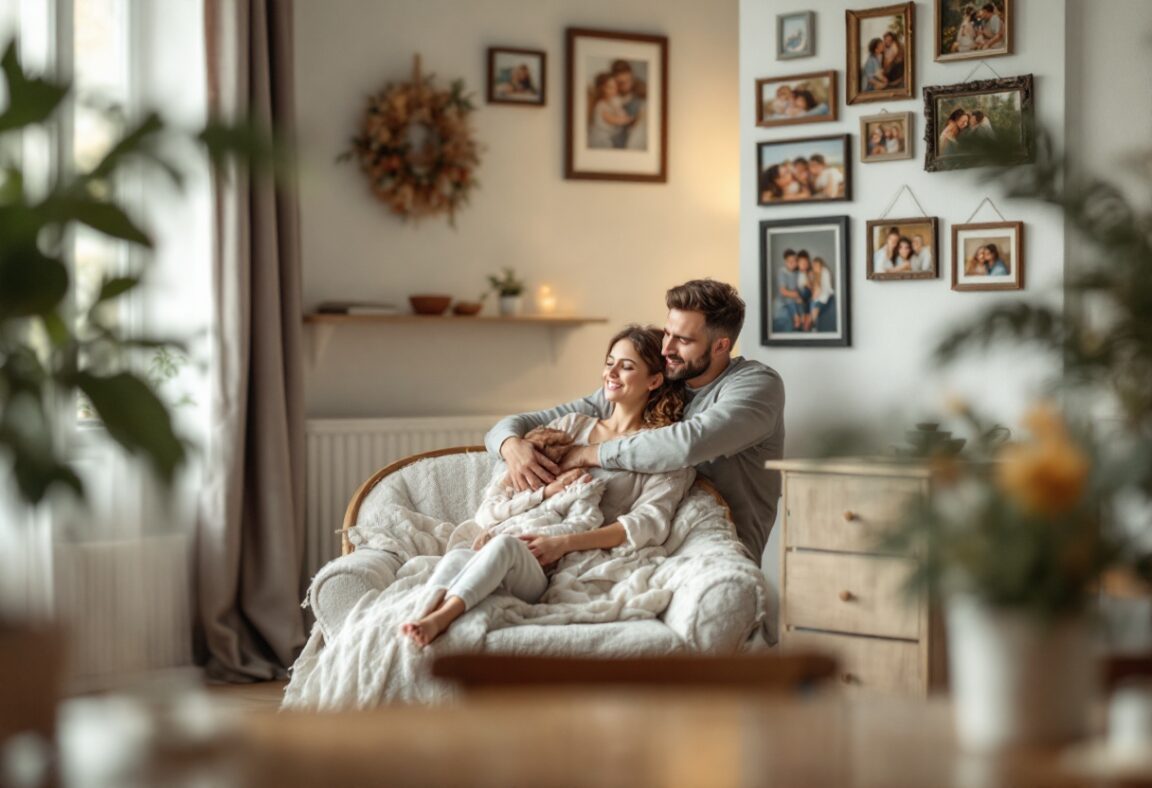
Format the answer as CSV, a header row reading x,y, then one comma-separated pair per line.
x,y
721,305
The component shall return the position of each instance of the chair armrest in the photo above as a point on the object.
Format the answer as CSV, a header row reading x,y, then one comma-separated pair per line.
x,y
716,614
342,582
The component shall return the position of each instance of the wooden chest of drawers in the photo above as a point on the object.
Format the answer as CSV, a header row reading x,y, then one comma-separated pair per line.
x,y
838,593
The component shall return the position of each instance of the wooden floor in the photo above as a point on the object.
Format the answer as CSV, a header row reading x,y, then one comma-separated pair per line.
x,y
261,696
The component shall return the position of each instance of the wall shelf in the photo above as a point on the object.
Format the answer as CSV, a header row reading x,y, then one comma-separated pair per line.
x,y
325,323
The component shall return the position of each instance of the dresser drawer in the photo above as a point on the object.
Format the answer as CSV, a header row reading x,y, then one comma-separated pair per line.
x,y
849,593
868,665
826,511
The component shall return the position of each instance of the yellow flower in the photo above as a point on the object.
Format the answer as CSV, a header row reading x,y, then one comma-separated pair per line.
x,y
1046,476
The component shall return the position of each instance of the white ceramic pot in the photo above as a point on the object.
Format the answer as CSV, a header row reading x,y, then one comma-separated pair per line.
x,y
1017,680
510,305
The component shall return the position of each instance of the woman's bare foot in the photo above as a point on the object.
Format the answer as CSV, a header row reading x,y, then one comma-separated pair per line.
x,y
434,624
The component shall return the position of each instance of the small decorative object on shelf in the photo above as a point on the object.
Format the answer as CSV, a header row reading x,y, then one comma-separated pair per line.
x,y
357,308
467,308
430,304
545,300
511,288
416,146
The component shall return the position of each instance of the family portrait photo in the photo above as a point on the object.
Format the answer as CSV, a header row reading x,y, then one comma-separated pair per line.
x,y
814,169
802,98
880,53
795,35
804,282
978,123
902,248
516,76
967,29
617,106
988,256
886,137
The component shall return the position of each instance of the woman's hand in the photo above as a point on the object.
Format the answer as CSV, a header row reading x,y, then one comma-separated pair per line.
x,y
564,480
484,538
546,549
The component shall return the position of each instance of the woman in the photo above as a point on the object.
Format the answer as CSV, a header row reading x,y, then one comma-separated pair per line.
x,y
884,258
872,74
905,255
949,137
822,295
637,507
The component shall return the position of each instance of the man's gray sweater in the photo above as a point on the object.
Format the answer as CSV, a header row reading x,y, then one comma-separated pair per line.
x,y
731,427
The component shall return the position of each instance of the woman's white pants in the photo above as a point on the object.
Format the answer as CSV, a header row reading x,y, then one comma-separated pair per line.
x,y
504,564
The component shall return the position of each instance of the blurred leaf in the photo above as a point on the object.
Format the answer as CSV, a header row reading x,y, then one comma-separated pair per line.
x,y
29,100
116,287
31,283
104,217
133,142
135,418
1018,321
245,140
57,330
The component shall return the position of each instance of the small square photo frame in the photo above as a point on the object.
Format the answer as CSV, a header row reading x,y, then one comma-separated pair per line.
x,y
881,53
517,76
805,282
886,137
972,29
800,98
795,35
988,256
804,170
902,248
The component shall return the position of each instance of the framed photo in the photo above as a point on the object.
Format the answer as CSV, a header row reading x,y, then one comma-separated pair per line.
x,y
802,98
617,125
978,123
988,256
809,169
885,137
881,53
517,76
902,248
795,35
804,298
973,29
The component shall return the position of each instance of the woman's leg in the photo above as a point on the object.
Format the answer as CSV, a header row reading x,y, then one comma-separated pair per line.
x,y
443,575
505,562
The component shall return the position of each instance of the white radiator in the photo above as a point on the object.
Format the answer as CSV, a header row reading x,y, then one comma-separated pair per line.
x,y
343,453
126,605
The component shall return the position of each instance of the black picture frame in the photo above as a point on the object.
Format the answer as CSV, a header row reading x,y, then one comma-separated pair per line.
x,y
836,150
821,237
1005,143
502,91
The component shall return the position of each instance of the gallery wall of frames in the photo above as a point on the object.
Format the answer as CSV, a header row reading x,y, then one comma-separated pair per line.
x,y
870,220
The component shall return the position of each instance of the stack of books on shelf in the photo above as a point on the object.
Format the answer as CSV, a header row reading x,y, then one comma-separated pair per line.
x,y
357,308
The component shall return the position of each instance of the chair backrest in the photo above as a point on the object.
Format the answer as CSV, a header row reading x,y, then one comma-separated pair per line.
x,y
778,672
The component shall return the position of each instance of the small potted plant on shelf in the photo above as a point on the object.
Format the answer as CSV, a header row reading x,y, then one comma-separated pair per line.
x,y
511,290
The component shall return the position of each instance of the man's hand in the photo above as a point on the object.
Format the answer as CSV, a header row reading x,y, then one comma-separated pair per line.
x,y
564,480
528,468
581,457
484,538
547,549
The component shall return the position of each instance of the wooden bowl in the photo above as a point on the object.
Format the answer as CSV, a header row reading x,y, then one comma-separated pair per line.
x,y
467,308
429,304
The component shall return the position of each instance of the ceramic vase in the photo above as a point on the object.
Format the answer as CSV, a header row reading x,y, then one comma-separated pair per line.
x,y
1019,680
510,305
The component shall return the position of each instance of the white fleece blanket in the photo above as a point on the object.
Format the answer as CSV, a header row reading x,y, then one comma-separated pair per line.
x,y
368,662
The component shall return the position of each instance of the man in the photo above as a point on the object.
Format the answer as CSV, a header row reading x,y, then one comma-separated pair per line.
x,y
921,254
826,181
633,94
788,303
991,28
733,423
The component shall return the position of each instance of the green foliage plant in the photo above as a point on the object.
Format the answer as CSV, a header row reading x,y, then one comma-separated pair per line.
x,y
507,283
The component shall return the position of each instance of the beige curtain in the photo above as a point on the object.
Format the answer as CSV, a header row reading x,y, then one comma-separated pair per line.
x,y
251,533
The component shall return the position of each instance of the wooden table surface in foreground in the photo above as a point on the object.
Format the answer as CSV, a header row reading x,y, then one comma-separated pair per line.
x,y
632,738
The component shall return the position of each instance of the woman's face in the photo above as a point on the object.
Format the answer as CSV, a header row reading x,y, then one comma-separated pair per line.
x,y
905,249
610,88
784,176
962,122
804,263
626,377
893,239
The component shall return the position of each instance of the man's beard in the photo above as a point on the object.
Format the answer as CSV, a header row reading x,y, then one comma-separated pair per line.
x,y
687,370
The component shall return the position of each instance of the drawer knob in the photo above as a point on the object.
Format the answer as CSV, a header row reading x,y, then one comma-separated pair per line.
x,y
847,596
850,515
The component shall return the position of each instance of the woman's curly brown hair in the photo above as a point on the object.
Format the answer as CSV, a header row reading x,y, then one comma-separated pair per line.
x,y
666,403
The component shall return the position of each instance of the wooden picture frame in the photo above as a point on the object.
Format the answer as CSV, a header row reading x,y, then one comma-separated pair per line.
x,y
781,181
886,240
981,34
796,99
972,271
795,35
997,118
896,137
801,319
889,72
618,131
517,77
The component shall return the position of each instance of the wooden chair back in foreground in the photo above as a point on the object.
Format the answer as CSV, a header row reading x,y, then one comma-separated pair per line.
x,y
775,672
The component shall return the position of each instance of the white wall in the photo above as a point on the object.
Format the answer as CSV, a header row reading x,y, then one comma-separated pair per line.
x,y
883,374
607,249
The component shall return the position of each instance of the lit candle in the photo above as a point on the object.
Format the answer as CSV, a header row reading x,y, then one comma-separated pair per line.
x,y
545,300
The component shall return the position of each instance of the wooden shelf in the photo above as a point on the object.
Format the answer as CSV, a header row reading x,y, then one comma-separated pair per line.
x,y
329,318
325,323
